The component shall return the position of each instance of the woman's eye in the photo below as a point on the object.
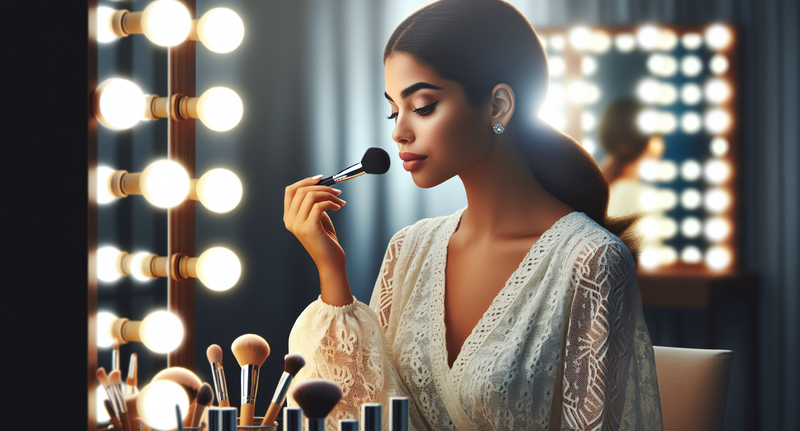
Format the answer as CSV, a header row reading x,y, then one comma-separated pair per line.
x,y
392,116
427,109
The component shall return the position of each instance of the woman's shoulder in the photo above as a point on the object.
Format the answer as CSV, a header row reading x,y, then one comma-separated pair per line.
x,y
590,242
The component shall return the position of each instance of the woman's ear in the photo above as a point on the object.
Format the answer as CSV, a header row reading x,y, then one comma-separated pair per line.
x,y
503,104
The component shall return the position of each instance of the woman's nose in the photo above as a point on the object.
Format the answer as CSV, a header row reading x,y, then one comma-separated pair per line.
x,y
402,133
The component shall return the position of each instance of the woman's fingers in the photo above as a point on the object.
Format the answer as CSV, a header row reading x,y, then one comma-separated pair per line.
x,y
316,213
313,197
290,191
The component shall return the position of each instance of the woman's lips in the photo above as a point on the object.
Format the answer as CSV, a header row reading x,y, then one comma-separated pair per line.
x,y
411,160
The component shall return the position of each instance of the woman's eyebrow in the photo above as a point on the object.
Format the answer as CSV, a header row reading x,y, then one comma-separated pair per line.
x,y
410,90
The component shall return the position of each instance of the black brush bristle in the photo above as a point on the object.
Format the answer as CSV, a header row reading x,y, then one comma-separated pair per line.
x,y
317,397
205,395
375,161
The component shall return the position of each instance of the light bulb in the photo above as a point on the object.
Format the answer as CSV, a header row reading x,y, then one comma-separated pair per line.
x,y
717,200
161,332
667,199
647,121
719,146
667,255
156,404
557,42
104,195
691,199
648,200
691,94
647,90
118,104
588,121
666,171
136,266
220,109
667,94
648,226
691,254
164,183
600,42
553,118
166,22
716,171
692,41
647,170
691,65
649,259
691,170
580,37
107,264
667,40
104,338
104,32
625,42
662,65
691,227
219,190
588,65
667,228
716,229
556,65
218,268
589,145
221,30
717,121
647,37
718,37
718,64
718,258
666,123
717,91
691,123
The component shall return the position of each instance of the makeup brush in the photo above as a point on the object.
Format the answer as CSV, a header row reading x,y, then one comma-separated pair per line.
x,y
317,397
133,376
292,363
102,377
292,419
178,415
115,384
375,161
204,398
185,378
250,351
114,419
214,354
115,357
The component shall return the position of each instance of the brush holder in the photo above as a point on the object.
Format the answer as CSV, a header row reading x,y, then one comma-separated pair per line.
x,y
200,427
257,420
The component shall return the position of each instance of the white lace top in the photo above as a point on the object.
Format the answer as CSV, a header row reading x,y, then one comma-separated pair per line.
x,y
566,331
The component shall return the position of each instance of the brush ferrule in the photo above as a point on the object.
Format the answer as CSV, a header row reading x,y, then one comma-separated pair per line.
x,y
220,385
249,383
115,358
350,172
282,389
316,424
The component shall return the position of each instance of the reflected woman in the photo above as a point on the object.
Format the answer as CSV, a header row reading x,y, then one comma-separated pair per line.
x,y
520,311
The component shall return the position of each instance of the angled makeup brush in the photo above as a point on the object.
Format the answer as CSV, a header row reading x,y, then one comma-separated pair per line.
x,y
214,354
292,363
317,397
204,399
133,376
374,161
250,351
115,384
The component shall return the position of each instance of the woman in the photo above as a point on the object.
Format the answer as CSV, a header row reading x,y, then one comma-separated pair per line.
x,y
476,339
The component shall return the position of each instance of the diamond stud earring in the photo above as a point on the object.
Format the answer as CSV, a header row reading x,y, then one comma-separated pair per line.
x,y
498,129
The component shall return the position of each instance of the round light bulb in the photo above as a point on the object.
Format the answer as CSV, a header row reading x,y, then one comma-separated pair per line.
x,y
156,404
691,65
221,30
691,123
662,65
647,170
104,321
553,118
218,268
692,41
667,94
625,42
588,121
104,32
691,227
219,190
166,22
691,254
691,94
718,64
118,103
104,195
667,123
589,145
600,42
557,42
580,37
716,229
691,199
718,37
588,65
107,264
556,65
667,40
164,183
647,37
647,121
161,331
648,226
716,171
220,109
691,170
667,199
666,171
667,255
717,200
650,258
717,91
667,228
717,121
719,146
647,90
718,258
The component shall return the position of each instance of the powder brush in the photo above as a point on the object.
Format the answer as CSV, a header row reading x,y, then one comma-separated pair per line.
x,y
317,397
204,398
250,351
292,363
214,355
374,161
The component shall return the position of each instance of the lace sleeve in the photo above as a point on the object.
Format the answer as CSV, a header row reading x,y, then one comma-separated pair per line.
x,y
599,339
383,293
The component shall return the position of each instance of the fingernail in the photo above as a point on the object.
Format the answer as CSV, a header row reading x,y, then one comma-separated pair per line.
x,y
343,201
336,190
316,177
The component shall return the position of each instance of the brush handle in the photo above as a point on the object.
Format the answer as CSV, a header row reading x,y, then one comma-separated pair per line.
x,y
316,424
224,403
272,414
197,416
246,416
125,421
329,181
112,414
187,421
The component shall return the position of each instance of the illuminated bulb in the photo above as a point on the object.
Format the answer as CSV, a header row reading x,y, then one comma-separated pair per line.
x,y
102,414
218,268
647,37
221,30
544,41
104,195
588,65
691,199
692,41
691,170
161,331
667,228
647,121
164,183
556,65
118,104
166,22
104,32
667,40
666,123
718,37
647,170
667,94
716,171
136,267
219,190
580,37
718,64
666,171
625,42
667,199
719,146
576,92
691,254
716,229
648,200
691,65
591,93
667,255
717,121
649,259
647,90
220,109
107,264
589,145
588,121
648,226
690,123
718,258
156,404
691,227
600,42
557,42
662,65
104,320
717,91
717,200
691,94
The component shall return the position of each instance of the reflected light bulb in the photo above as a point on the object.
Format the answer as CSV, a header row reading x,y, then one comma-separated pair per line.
x,y
717,121
691,199
718,64
164,183
667,227
719,146
588,65
717,91
691,227
557,42
662,65
588,121
647,90
667,40
218,268
556,65
667,94
161,332
691,254
625,42
118,104
667,199
691,65
589,145
667,123
716,171
718,258
647,170
717,200
600,42
692,41
647,121
716,229
104,195
219,190
104,32
666,171
691,170
718,37
104,339
667,255
156,404
691,123
647,37
691,94
579,38
220,109
107,264
166,22
649,259
221,30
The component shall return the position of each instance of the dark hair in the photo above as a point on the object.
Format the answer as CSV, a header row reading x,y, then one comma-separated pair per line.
x,y
482,43
619,135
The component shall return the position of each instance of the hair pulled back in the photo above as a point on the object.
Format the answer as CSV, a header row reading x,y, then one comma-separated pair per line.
x,y
620,136
482,43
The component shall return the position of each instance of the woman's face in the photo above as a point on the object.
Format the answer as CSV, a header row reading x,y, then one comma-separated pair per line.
x,y
439,133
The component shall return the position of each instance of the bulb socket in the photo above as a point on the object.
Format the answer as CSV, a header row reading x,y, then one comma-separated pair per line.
x,y
124,330
192,191
174,266
193,31
124,23
130,184
188,107
188,267
115,184
155,107
119,263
